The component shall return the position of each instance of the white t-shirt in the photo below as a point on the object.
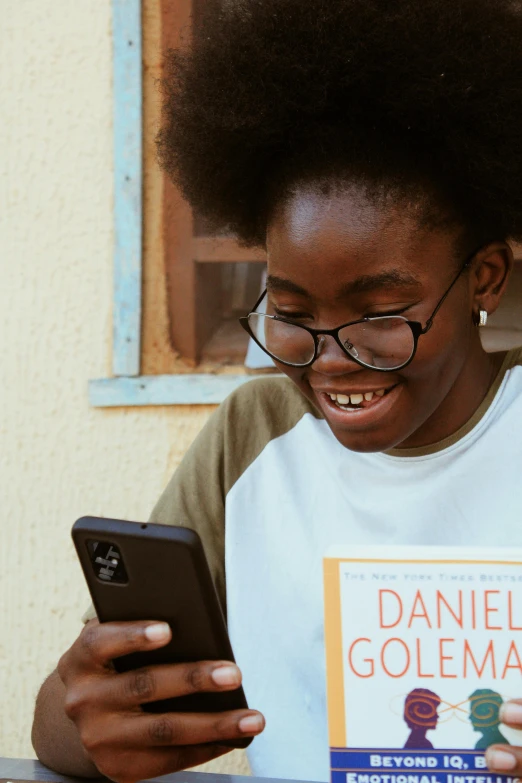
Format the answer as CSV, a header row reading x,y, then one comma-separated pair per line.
x,y
270,489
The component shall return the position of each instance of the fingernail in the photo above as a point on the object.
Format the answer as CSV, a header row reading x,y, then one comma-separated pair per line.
x,y
500,760
252,724
226,675
511,713
157,632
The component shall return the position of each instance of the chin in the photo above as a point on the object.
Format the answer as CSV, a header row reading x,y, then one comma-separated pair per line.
x,y
368,442
380,425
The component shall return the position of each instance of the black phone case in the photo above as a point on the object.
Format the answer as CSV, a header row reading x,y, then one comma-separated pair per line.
x,y
168,579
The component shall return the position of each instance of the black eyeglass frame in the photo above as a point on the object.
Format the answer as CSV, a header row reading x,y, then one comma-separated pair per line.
x,y
416,327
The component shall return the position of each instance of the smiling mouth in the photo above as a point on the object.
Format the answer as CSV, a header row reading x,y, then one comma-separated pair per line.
x,y
357,401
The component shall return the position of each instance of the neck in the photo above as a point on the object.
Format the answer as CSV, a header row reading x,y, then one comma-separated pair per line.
x,y
418,732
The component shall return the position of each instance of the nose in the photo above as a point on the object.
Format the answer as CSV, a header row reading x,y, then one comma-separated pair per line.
x,y
331,359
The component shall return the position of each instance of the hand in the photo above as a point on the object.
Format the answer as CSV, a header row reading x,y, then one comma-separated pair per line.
x,y
507,759
126,743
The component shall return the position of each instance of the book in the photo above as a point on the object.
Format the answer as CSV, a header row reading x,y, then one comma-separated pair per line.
x,y
423,645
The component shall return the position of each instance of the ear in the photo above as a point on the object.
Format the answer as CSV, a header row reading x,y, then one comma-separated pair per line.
x,y
490,275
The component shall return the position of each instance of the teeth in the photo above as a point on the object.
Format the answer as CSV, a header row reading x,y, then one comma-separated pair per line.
x,y
355,399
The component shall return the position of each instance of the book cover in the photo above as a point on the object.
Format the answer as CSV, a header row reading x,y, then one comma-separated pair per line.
x,y
423,644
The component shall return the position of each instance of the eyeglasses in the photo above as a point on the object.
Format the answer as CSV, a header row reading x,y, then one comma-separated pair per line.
x,y
385,343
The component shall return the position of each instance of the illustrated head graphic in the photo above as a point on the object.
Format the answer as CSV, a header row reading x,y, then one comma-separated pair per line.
x,y
484,706
420,715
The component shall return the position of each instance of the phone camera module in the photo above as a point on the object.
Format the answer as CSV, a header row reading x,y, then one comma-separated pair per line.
x,y
107,562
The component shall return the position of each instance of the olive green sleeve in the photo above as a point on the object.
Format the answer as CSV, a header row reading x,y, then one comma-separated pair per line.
x,y
195,496
232,439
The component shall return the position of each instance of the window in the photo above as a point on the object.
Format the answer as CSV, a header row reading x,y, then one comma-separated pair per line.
x,y
211,280
166,266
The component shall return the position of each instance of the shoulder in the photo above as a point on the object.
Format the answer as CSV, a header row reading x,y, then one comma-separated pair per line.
x,y
236,433
255,414
273,402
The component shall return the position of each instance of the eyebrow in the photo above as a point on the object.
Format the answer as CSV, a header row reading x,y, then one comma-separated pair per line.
x,y
275,283
393,278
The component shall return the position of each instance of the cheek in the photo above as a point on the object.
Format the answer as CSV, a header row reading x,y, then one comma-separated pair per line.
x,y
443,350
297,376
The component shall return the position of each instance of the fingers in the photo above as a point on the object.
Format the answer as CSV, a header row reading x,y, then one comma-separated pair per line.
x,y
511,713
147,730
504,759
140,686
99,643
507,759
127,744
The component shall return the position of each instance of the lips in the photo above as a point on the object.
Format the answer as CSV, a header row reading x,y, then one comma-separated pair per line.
x,y
362,414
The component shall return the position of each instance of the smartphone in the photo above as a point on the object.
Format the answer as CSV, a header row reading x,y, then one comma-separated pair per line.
x,y
140,571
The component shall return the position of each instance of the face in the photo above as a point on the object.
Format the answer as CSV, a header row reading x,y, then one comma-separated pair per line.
x,y
337,258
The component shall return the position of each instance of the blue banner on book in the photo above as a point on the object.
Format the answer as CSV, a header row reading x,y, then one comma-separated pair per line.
x,y
365,765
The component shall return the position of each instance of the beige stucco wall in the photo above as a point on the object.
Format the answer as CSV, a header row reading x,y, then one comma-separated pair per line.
x,y
59,458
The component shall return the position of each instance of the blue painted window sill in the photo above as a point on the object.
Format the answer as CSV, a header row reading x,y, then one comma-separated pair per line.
x,y
143,390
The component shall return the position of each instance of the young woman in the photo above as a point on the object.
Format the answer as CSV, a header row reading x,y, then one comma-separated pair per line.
x,y
373,147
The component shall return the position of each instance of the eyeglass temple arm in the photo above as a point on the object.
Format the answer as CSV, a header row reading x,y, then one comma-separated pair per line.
x,y
258,301
429,322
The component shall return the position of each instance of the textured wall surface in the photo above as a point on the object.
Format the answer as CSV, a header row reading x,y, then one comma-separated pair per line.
x,y
60,459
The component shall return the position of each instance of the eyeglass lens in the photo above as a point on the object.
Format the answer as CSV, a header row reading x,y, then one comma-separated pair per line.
x,y
384,343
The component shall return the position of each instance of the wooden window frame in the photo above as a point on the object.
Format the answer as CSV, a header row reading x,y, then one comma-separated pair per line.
x,y
194,311
127,386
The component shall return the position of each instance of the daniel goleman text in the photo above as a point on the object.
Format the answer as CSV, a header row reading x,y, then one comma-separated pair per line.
x,y
471,611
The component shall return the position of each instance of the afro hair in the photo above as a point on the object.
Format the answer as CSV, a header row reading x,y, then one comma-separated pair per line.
x,y
416,96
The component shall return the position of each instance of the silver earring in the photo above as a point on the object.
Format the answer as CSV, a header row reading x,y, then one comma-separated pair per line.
x,y
483,317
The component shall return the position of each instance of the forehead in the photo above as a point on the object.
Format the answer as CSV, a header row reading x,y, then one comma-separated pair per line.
x,y
344,234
